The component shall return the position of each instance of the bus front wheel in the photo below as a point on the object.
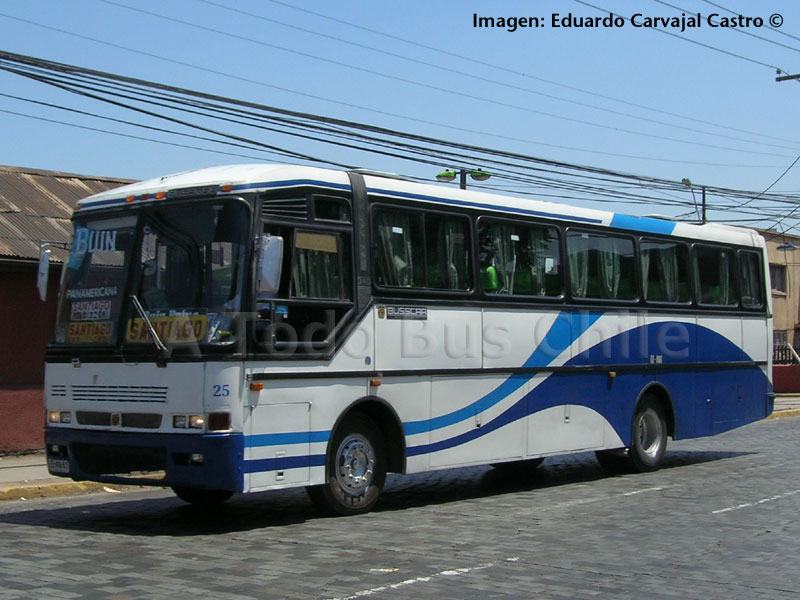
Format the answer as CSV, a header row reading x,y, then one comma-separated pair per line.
x,y
356,468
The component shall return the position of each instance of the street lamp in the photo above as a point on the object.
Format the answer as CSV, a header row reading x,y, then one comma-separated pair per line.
x,y
688,183
450,175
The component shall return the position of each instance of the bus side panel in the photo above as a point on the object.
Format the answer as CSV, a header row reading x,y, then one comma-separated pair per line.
x,y
410,397
438,338
477,420
733,395
571,412
289,427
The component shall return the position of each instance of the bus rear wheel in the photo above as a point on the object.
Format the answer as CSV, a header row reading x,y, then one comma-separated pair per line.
x,y
356,468
648,442
202,497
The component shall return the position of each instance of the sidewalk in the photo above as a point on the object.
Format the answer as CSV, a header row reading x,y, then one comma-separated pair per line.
x,y
25,477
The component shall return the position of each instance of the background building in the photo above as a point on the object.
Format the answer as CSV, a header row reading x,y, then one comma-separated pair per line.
x,y
34,206
784,270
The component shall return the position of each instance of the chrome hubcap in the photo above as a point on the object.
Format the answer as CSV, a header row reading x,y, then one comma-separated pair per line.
x,y
650,433
355,464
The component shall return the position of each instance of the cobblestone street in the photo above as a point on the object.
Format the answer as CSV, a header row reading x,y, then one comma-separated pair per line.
x,y
719,521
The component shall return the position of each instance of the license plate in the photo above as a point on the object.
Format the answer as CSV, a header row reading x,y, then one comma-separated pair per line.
x,y
58,465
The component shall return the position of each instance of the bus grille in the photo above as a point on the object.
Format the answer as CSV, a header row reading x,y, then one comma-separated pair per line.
x,y
97,459
104,419
119,393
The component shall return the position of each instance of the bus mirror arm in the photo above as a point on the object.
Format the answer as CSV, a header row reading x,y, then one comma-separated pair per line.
x,y
163,351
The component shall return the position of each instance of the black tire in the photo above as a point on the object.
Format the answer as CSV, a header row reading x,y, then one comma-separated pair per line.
x,y
202,497
518,467
355,468
648,442
649,436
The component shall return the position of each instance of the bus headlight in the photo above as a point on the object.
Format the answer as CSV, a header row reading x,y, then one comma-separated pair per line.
x,y
179,421
196,421
59,416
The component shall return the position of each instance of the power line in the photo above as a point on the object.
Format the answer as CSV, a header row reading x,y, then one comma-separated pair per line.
x,y
473,76
735,29
775,29
445,90
520,73
381,112
413,147
691,41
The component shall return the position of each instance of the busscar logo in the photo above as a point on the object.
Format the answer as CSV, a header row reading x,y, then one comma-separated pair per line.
x,y
416,313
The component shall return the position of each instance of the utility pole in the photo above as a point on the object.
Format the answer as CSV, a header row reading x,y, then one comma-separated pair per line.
x,y
703,208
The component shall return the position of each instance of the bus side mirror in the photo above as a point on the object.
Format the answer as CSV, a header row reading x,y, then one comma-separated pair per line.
x,y
270,263
44,270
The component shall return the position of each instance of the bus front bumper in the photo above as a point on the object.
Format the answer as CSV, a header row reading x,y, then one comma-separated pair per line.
x,y
209,461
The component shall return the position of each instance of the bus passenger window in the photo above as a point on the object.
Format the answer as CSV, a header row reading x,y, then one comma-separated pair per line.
x,y
519,260
399,260
447,252
715,275
665,271
750,275
601,266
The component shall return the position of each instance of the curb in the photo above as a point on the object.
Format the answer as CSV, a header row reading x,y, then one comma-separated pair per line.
x,y
46,489
780,414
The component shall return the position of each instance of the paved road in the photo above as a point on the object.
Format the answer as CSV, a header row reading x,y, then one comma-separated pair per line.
x,y
721,520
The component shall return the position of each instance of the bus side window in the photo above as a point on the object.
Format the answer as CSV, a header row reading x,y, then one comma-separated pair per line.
x,y
601,266
399,260
715,276
665,271
519,260
447,252
750,271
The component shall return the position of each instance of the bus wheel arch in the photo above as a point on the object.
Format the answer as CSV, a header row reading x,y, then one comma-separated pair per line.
x,y
364,446
660,393
382,413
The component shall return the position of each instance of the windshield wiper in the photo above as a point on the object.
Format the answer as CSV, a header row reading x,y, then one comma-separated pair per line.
x,y
163,351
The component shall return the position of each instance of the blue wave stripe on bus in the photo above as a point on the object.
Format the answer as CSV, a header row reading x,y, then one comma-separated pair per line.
x,y
514,413
279,439
644,224
283,463
520,211
559,388
567,327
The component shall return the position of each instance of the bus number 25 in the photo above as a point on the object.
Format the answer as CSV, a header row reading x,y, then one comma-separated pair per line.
x,y
221,390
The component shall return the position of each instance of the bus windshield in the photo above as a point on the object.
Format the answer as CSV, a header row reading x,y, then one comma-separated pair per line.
x,y
183,264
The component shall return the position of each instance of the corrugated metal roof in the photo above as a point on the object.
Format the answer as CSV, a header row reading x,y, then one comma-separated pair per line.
x,y
36,205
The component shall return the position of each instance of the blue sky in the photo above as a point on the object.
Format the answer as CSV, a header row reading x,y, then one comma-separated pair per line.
x,y
629,99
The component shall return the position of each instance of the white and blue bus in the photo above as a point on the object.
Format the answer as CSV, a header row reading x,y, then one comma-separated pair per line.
x,y
255,327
